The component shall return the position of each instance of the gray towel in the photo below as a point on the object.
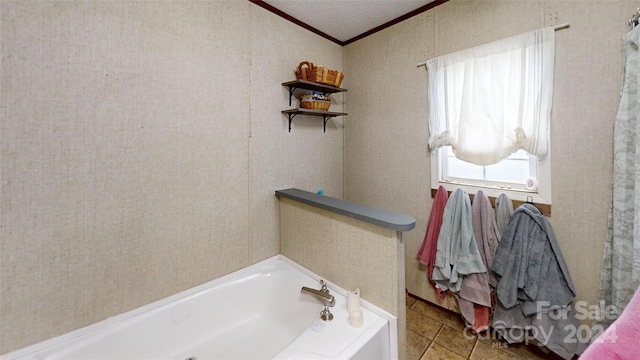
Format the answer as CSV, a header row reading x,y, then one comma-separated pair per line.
x,y
457,252
549,330
504,211
533,281
530,265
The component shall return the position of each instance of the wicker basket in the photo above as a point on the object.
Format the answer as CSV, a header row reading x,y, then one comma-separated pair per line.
x,y
315,104
339,79
331,77
310,73
319,74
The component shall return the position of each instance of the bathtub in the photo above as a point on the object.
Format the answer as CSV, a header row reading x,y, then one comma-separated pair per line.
x,y
254,313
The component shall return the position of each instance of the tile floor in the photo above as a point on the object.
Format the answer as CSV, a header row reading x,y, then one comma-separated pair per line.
x,y
434,333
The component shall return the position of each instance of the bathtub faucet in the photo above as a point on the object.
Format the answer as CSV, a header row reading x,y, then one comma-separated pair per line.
x,y
325,298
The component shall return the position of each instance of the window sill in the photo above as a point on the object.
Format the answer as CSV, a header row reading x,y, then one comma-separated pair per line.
x,y
515,196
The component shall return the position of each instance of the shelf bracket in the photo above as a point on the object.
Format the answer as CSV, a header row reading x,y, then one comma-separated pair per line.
x,y
291,116
291,90
326,118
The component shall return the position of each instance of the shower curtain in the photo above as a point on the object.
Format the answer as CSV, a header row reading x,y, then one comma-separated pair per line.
x,y
620,274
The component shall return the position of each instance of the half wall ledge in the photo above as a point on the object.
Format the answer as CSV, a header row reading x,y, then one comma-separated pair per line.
x,y
375,216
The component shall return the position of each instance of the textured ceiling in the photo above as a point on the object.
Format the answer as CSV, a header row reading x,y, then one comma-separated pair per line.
x,y
346,19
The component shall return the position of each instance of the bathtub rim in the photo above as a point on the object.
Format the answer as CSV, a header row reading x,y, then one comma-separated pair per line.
x,y
24,353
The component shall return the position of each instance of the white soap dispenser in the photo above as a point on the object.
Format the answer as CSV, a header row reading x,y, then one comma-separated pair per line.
x,y
353,307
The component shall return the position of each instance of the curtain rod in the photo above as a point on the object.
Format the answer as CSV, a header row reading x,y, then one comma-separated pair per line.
x,y
556,28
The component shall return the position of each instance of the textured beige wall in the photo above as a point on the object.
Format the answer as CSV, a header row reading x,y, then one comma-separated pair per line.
x,y
386,156
140,149
348,252
305,158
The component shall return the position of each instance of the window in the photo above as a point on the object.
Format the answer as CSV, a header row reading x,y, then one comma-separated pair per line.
x,y
512,171
492,105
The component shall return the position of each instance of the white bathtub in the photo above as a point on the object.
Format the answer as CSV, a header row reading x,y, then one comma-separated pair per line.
x,y
255,313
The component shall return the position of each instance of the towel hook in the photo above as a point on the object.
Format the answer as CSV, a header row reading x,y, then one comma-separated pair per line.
x,y
633,21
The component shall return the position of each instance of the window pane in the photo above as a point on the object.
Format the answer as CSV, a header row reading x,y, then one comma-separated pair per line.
x,y
520,154
463,169
512,171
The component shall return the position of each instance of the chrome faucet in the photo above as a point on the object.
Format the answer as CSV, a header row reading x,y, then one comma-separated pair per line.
x,y
325,298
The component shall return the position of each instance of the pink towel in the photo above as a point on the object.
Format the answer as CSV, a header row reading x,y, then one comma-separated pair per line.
x,y
620,339
427,252
476,293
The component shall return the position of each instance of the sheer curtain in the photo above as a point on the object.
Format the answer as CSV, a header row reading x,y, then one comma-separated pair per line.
x,y
620,274
489,101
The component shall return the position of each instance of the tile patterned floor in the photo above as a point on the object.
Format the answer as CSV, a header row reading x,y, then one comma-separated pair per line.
x,y
434,333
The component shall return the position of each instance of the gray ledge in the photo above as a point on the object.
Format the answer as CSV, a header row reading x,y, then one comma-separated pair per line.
x,y
379,217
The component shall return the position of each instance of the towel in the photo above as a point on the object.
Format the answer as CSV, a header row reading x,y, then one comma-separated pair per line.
x,y
504,211
457,252
476,291
485,230
427,252
530,265
620,339
533,283
553,329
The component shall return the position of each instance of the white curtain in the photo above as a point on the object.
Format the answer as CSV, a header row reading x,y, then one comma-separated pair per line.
x,y
492,100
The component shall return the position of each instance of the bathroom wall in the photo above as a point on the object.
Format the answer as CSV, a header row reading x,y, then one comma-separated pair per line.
x,y
305,158
141,144
349,253
386,154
